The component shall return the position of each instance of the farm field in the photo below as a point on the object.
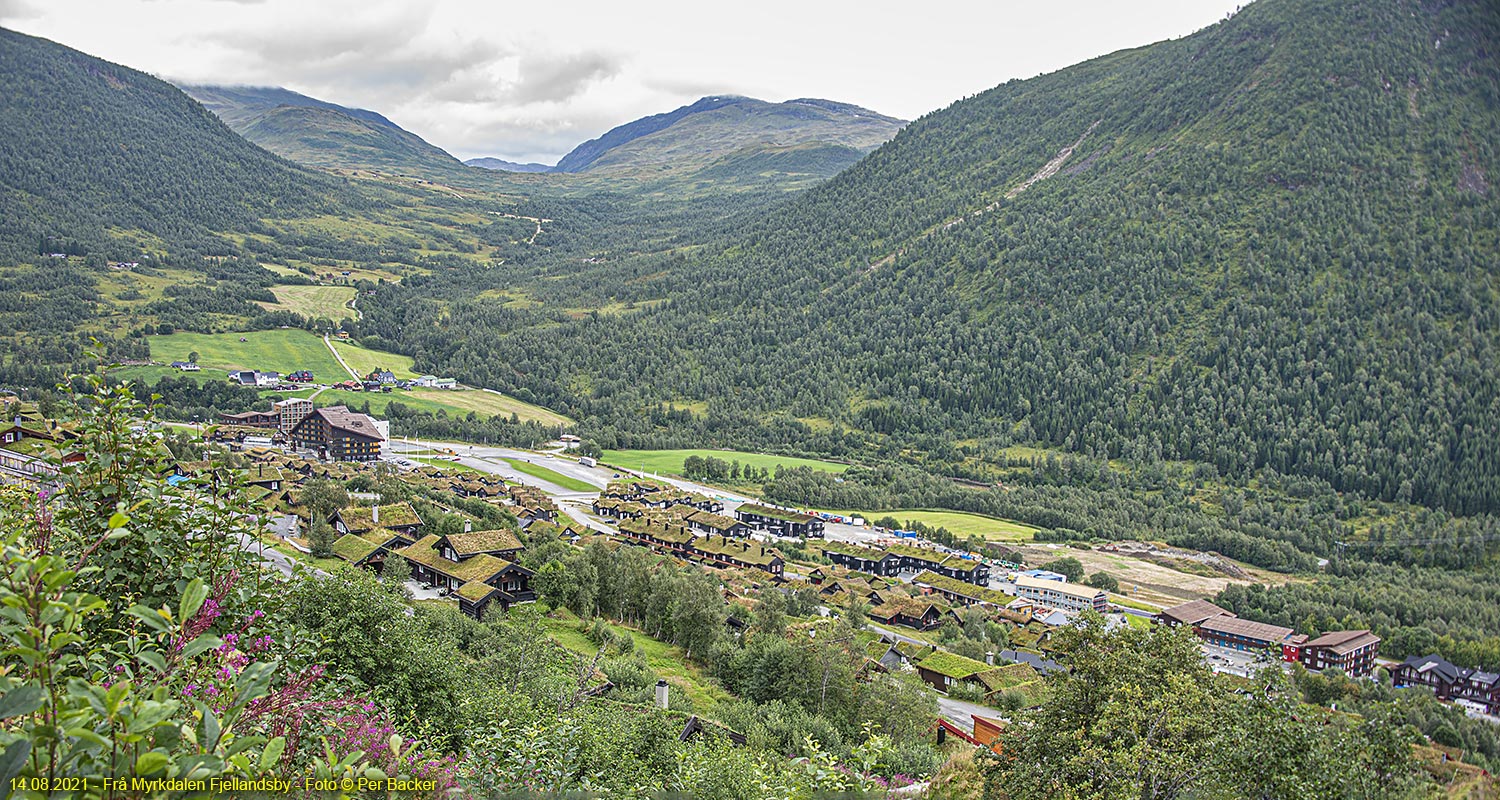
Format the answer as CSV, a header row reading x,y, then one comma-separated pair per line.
x,y
963,524
282,350
670,461
313,301
557,478
490,403
366,361
434,400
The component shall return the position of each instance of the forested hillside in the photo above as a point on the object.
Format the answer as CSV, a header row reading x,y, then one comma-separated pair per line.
x,y
1267,245
91,146
321,134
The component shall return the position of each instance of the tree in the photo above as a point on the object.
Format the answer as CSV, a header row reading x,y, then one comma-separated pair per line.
x,y
1138,715
1104,580
193,357
1067,566
396,572
322,497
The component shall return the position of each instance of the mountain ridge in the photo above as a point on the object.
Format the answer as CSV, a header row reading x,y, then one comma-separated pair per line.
x,y
319,133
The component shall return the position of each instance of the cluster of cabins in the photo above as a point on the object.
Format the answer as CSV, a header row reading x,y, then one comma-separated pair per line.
x,y
477,568
669,534
684,525
1351,651
895,559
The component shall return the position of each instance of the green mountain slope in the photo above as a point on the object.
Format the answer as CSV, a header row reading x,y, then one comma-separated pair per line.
x,y
729,139
1271,244
90,146
321,134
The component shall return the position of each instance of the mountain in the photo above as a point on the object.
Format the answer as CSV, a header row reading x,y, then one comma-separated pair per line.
x,y
236,104
91,146
1267,248
729,138
321,134
506,166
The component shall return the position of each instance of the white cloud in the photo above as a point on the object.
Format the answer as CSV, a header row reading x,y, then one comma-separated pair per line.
x,y
528,83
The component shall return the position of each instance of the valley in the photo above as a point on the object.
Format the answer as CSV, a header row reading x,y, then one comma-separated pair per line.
x,y
766,447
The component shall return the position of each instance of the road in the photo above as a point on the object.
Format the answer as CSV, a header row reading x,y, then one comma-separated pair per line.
x,y
962,713
335,351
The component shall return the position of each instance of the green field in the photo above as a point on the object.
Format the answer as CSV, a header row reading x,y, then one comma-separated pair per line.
x,y
670,461
963,524
367,361
669,662
557,478
284,350
453,402
313,301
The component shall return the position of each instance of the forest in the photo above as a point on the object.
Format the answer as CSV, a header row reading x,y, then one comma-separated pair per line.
x,y
202,663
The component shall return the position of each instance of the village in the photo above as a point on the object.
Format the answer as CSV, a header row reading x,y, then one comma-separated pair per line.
x,y
906,588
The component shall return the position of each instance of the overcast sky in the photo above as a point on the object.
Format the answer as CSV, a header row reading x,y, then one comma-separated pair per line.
x,y
529,81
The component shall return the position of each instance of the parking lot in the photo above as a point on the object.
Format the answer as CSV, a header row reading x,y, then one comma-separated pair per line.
x,y
1236,662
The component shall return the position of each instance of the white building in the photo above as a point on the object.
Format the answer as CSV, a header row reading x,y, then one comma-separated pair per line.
x,y
1055,594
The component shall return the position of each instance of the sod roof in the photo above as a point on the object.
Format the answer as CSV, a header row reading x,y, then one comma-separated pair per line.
x,y
953,665
478,568
476,591
774,513
854,550
393,515
738,549
465,544
960,588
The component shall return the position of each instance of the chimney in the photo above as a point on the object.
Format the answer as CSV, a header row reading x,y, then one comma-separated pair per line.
x,y
989,658
661,694
468,525
375,515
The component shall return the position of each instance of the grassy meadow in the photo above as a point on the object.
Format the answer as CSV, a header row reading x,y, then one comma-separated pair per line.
x,y
670,461
313,301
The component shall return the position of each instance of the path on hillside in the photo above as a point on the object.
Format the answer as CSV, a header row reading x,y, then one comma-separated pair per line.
x,y
326,343
1048,170
536,220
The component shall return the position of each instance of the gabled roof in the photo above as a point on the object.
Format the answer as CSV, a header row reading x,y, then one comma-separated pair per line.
x,y
775,513
356,547
1433,663
465,544
1249,629
953,665
342,419
955,586
392,515
1343,642
478,568
1193,612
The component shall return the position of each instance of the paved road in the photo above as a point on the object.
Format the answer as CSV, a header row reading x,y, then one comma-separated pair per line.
x,y
962,713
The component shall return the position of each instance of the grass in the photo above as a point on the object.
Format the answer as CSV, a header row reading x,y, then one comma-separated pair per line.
x,y
961,523
367,361
669,662
446,466
287,350
490,403
456,403
539,471
313,301
670,461
283,351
